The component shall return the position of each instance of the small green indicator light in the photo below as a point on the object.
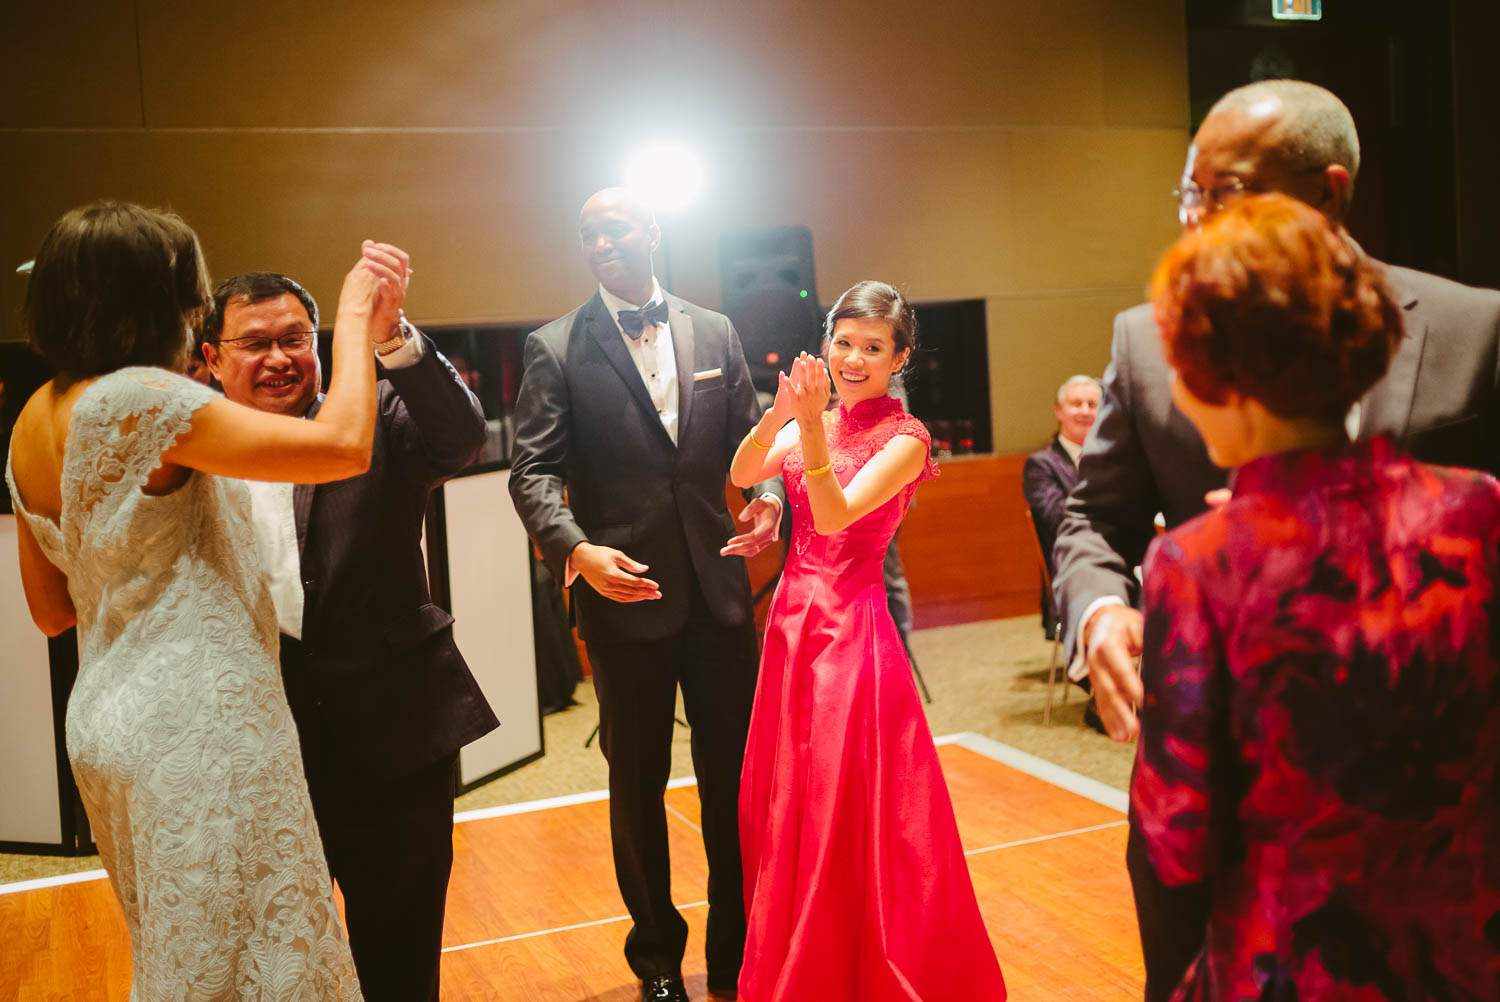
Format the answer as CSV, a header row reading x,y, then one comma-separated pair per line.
x,y
803,293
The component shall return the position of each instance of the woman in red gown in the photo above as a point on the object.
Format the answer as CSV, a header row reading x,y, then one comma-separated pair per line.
x,y
856,886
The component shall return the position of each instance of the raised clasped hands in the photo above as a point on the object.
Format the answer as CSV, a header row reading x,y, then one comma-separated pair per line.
x,y
808,388
376,286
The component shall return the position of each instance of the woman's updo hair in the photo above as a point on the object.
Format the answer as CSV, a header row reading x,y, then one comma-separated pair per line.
x,y
878,300
1270,300
115,285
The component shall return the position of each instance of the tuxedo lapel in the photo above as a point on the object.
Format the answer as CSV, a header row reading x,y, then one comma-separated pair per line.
x,y
302,499
682,348
606,334
1386,409
1061,452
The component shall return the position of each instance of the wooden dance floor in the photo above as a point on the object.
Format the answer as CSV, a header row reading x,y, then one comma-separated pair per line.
x,y
534,913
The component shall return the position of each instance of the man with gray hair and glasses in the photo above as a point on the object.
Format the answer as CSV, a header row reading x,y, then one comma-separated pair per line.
x,y
1051,471
1438,400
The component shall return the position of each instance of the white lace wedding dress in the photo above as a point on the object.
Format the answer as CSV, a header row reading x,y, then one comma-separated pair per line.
x,y
177,728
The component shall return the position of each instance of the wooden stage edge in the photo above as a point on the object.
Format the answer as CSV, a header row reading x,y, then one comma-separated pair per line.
x,y
1045,848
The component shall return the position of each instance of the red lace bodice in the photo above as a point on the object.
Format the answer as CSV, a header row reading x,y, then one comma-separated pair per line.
x,y
855,435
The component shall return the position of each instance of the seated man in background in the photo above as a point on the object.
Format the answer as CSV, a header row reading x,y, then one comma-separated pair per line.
x,y
1050,471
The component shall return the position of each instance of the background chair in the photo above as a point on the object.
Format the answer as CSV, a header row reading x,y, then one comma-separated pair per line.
x,y
1049,616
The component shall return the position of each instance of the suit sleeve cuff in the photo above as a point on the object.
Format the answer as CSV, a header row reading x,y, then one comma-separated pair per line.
x,y
407,355
776,501
1079,669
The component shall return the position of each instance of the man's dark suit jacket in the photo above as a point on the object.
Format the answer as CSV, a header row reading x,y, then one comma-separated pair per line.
x,y
585,423
1046,479
1440,399
379,669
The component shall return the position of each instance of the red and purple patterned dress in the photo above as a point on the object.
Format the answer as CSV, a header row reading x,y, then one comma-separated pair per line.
x,y
1321,730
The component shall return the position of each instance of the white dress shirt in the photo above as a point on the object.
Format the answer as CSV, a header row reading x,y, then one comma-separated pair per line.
x,y
652,354
276,545
274,522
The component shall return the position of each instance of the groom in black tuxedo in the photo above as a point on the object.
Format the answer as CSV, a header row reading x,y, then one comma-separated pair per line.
x,y
634,404
382,698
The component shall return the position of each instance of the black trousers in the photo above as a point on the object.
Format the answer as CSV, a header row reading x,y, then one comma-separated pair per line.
x,y
1171,919
637,688
389,844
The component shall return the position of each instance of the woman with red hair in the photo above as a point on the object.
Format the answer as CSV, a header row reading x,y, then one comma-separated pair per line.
x,y
1316,784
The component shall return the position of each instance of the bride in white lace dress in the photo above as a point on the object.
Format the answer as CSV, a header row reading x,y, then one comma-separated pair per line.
x,y
177,727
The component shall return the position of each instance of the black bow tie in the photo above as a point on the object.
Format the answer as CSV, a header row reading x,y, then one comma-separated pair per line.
x,y
633,322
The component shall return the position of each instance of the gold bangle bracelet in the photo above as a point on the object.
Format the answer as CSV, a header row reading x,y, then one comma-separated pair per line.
x,y
821,469
751,436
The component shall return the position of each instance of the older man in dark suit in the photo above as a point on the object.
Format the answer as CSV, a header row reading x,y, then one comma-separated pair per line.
x,y
381,696
634,404
1440,399
1051,471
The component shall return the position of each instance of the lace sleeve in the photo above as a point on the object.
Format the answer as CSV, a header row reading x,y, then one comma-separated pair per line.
x,y
121,426
906,424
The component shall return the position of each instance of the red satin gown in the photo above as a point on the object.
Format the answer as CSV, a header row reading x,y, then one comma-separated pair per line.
x,y
856,886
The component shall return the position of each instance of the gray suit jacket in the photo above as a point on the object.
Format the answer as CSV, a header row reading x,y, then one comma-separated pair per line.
x,y
1440,399
585,424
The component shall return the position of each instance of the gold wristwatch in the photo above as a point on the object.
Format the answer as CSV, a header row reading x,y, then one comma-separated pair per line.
x,y
403,332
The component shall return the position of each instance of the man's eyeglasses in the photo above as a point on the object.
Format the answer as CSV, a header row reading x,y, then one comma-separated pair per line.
x,y
293,343
1193,202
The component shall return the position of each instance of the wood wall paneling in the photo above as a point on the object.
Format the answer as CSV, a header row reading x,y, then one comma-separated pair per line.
x,y
966,546
68,65
994,149
584,63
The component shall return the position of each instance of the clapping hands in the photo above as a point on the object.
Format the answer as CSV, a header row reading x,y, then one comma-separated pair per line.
x,y
803,395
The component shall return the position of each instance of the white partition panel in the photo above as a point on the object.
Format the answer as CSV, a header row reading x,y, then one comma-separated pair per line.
x,y
29,807
489,582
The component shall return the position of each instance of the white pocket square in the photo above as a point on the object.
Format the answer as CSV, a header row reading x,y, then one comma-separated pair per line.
x,y
707,374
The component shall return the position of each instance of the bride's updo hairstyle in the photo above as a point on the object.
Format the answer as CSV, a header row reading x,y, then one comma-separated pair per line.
x,y
115,285
879,300
1270,300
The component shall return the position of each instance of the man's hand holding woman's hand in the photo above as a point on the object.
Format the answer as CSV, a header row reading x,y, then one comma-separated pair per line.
x,y
376,288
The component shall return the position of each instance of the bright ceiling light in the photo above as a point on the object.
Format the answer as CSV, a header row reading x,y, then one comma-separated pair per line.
x,y
668,175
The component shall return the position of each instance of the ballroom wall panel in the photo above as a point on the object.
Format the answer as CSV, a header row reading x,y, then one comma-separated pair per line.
x,y
30,805
995,149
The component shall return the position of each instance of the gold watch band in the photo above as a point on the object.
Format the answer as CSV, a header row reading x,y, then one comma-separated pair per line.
x,y
403,332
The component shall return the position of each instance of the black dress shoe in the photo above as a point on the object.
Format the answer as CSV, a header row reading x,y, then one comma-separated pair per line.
x,y
1091,717
663,988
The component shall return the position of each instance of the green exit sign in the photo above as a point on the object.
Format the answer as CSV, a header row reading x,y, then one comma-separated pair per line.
x,y
1297,10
